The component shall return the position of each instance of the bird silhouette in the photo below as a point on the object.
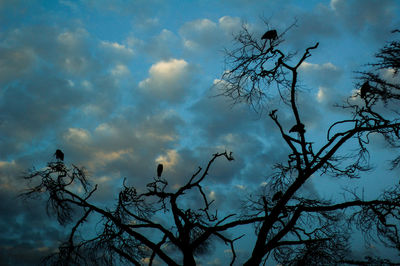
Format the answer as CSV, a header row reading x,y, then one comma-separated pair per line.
x,y
365,88
297,128
277,196
59,155
159,170
270,35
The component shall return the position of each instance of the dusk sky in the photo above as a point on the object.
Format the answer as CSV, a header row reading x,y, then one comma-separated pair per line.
x,y
121,86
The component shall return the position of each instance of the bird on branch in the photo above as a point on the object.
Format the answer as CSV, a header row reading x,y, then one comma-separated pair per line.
x,y
270,35
298,128
365,88
159,170
277,196
59,155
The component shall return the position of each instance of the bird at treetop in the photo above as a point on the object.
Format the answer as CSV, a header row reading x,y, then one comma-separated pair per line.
x,y
270,35
297,128
159,170
365,88
59,155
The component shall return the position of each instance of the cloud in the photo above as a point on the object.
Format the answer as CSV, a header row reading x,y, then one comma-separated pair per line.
x,y
376,17
64,86
222,126
120,70
169,160
115,51
128,145
168,81
140,9
162,46
205,34
326,74
49,82
27,235
15,63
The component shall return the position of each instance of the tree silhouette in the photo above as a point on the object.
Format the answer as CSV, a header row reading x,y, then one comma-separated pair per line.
x,y
123,235
294,229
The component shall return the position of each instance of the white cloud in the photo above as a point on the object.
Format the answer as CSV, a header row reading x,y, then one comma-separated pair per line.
x,y
168,80
72,39
202,25
168,70
169,160
104,157
326,74
305,66
77,135
229,24
117,49
390,75
104,128
320,94
191,45
202,34
334,4
120,70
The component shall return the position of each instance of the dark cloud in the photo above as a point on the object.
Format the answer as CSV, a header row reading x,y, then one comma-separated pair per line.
x,y
59,75
28,234
120,106
309,26
372,18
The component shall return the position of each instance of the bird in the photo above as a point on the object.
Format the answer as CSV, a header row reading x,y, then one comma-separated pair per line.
x,y
277,196
59,155
270,35
298,128
159,170
365,88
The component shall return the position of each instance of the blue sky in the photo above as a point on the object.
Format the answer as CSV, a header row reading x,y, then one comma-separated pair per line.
x,y
120,86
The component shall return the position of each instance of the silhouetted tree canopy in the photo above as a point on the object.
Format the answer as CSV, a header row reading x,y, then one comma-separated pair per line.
x,y
292,228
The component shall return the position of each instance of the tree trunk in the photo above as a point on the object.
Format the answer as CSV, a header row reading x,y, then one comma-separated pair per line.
x,y
188,258
255,259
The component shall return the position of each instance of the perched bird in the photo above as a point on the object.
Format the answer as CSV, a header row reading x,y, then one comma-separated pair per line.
x,y
277,196
159,170
59,155
365,88
297,128
270,35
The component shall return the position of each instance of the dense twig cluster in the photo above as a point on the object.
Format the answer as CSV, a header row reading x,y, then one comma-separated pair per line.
x,y
125,233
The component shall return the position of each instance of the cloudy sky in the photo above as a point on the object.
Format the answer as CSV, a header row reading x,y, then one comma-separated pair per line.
x,y
120,86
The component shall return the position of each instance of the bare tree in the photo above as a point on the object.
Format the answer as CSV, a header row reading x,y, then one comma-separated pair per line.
x,y
294,229
302,231
130,231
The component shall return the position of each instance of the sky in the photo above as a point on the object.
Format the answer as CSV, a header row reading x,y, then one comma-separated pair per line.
x,y
121,86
